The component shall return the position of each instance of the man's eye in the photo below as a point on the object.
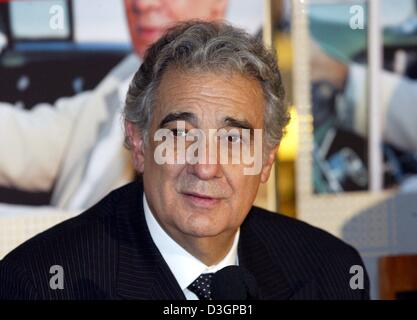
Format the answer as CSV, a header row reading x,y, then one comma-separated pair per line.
x,y
233,138
179,132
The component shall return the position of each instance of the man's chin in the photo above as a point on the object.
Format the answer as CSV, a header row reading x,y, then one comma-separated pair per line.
x,y
204,233
140,50
199,226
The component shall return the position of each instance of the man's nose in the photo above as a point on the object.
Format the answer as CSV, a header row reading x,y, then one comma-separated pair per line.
x,y
205,171
208,167
143,5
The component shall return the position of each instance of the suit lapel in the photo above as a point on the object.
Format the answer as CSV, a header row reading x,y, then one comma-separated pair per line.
x,y
273,282
142,271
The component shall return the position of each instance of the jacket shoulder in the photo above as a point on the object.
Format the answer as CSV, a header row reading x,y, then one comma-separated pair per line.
x,y
76,229
307,252
84,246
296,233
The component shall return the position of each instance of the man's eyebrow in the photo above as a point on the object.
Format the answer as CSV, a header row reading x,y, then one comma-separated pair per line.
x,y
238,123
178,116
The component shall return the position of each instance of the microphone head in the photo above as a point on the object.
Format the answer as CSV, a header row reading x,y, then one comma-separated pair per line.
x,y
234,283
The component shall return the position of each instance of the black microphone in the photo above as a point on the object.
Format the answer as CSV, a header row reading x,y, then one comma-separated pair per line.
x,y
234,283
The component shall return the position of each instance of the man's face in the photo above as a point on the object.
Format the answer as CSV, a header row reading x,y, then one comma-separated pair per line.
x,y
148,19
203,199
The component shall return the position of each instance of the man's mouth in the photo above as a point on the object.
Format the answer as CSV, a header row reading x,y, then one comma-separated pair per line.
x,y
149,33
201,200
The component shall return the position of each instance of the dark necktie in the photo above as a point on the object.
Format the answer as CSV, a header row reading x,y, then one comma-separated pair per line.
x,y
202,286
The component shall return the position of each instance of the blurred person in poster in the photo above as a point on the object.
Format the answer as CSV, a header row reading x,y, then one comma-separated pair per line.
x,y
397,107
76,145
397,99
340,95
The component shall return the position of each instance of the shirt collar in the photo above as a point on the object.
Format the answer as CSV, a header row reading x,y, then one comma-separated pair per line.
x,y
184,266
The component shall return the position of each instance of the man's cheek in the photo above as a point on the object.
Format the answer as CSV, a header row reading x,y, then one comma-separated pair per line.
x,y
174,11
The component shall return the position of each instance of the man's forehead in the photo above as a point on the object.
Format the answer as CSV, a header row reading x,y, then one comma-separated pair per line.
x,y
214,94
213,115
215,79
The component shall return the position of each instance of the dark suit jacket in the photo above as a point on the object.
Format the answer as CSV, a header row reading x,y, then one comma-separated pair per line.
x,y
107,253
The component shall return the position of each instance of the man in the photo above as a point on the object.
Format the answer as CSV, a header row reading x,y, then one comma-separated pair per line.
x,y
172,236
76,147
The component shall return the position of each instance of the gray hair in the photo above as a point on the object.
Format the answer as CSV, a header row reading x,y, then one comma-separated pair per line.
x,y
208,46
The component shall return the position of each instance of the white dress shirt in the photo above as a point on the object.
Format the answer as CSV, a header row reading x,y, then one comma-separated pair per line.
x,y
106,154
184,266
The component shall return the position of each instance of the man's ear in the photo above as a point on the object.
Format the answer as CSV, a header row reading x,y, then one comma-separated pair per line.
x,y
137,146
266,169
218,10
